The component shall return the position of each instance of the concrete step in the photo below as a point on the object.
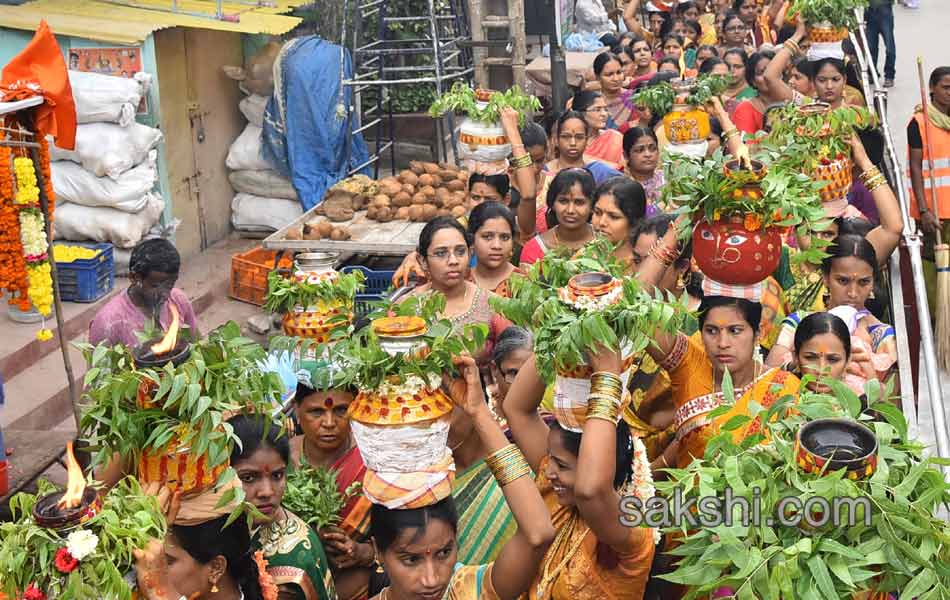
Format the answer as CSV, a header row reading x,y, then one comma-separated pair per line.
x,y
35,383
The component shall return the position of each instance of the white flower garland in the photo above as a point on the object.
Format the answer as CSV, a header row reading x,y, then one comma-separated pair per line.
x,y
640,483
591,303
410,386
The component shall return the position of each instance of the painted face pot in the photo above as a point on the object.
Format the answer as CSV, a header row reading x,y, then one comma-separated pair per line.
x,y
736,250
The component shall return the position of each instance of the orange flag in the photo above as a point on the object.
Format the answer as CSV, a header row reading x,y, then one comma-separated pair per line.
x,y
41,70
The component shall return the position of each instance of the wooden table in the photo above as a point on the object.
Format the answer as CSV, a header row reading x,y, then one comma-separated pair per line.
x,y
33,452
367,236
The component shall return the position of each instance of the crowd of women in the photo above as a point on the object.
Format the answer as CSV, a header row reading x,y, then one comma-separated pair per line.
x,y
593,169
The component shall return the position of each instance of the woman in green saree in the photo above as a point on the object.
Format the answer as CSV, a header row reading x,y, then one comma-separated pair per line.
x,y
295,557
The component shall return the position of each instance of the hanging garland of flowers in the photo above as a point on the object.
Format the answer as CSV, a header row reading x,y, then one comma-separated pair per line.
x,y
34,240
13,274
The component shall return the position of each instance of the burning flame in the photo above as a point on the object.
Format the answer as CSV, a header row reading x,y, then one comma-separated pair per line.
x,y
170,340
75,483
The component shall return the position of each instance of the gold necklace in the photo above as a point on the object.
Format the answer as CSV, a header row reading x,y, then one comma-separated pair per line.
x,y
558,243
563,536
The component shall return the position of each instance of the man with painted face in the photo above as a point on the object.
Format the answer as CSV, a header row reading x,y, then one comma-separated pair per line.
x,y
153,271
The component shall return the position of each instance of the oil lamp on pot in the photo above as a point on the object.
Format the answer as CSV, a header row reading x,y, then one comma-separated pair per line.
x,y
170,348
62,511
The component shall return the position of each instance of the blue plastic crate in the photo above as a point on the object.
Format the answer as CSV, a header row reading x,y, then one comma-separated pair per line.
x,y
377,283
86,280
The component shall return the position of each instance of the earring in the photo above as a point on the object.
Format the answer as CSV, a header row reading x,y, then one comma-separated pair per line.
x,y
379,565
214,588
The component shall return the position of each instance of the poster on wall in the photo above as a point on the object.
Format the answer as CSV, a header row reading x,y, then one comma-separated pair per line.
x,y
564,19
118,62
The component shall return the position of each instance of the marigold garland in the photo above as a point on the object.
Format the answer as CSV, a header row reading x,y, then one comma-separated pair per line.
x,y
269,589
13,275
26,190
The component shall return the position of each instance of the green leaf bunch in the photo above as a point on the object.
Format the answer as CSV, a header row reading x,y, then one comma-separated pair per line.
x,y
462,99
286,293
840,13
905,549
129,518
812,137
361,363
563,335
661,97
700,187
220,377
313,496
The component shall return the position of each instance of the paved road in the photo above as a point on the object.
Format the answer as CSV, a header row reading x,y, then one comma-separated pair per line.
x,y
923,32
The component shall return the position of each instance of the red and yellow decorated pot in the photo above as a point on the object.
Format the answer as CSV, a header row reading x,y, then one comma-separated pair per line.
x,y
178,468
828,445
399,408
836,175
315,324
737,251
686,125
827,34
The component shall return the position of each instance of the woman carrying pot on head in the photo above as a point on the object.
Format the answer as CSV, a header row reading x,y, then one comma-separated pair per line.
x,y
201,558
729,329
569,208
294,554
571,135
326,442
823,351
806,294
829,76
604,144
419,547
582,477
491,227
849,273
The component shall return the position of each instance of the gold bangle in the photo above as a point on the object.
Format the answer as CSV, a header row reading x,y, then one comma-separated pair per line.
x,y
507,464
734,132
869,174
665,462
605,408
873,185
522,162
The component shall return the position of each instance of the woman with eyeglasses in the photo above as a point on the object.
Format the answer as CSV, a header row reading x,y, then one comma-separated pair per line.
x,y
604,143
734,33
758,25
570,206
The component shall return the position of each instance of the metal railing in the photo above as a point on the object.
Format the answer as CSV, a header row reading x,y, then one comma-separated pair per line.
x,y
875,96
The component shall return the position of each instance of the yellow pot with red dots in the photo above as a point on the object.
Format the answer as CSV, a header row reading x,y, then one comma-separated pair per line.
x,y
686,124
316,322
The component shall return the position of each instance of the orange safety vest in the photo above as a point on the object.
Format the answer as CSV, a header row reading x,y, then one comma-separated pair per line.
x,y
940,164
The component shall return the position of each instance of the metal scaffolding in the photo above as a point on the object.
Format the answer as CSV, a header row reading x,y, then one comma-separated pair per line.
x,y
383,60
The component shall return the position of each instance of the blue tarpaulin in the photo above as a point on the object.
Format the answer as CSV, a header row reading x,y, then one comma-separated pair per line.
x,y
308,124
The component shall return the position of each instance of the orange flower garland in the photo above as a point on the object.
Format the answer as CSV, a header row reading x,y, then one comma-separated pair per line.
x,y
268,588
13,275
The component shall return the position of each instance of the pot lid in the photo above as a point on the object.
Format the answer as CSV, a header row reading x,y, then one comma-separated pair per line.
x,y
399,326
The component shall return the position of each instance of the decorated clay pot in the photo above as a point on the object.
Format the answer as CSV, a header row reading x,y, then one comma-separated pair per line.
x,y
178,468
591,290
826,33
482,142
827,445
316,322
837,176
400,335
736,170
572,390
737,250
686,124
400,404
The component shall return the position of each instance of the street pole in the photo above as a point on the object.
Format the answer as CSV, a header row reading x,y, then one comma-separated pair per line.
x,y
558,64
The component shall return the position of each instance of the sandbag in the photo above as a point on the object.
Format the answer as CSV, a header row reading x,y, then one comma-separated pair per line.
x,y
245,152
269,184
107,99
74,184
101,224
260,214
252,107
107,149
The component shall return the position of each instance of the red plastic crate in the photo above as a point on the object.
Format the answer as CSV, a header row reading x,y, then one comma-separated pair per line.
x,y
249,272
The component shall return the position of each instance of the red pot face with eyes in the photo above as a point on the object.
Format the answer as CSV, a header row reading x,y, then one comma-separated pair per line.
x,y
729,253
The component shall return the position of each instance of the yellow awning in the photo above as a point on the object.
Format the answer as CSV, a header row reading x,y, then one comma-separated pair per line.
x,y
131,21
